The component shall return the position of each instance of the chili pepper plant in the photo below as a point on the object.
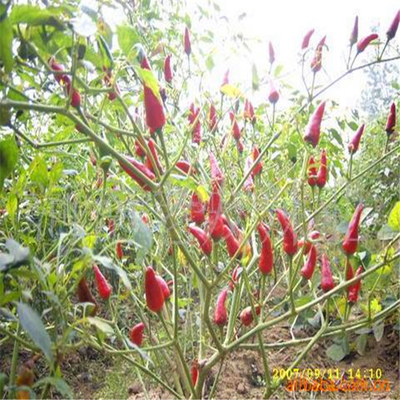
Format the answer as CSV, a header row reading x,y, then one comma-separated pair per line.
x,y
173,227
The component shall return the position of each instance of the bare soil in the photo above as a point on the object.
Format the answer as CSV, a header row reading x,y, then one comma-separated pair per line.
x,y
92,374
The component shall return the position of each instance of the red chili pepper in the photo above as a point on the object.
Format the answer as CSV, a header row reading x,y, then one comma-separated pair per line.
x,y
240,146
136,334
153,149
246,316
216,223
155,117
79,128
235,127
216,227
316,62
55,66
314,235
194,120
142,168
350,242
85,295
289,237
119,250
249,112
185,167
203,239
355,141
168,69
308,268
108,80
271,53
75,96
216,174
164,287
212,118
266,261
139,150
354,33
225,81
363,43
313,129
235,277
349,272
327,283
154,292
220,314
273,96
391,33
232,244
144,63
306,39
194,372
323,170
258,168
312,172
353,290
197,209
186,43
391,121
110,226
103,286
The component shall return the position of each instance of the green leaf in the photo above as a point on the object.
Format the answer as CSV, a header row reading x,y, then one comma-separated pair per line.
x,y
100,324
336,352
378,329
142,236
58,383
36,16
35,329
352,125
7,315
185,182
105,31
8,158
394,218
278,70
12,205
18,256
105,51
20,253
209,62
150,81
255,80
6,39
39,173
386,233
337,136
56,172
107,263
361,344
127,38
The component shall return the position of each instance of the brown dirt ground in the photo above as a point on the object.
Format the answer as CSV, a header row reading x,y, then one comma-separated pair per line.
x,y
241,376
242,373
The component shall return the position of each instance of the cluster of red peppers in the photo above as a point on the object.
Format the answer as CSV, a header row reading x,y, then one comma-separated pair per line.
x,y
217,227
104,289
65,81
318,177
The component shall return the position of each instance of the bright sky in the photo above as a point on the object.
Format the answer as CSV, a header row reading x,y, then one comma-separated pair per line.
x,y
284,23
